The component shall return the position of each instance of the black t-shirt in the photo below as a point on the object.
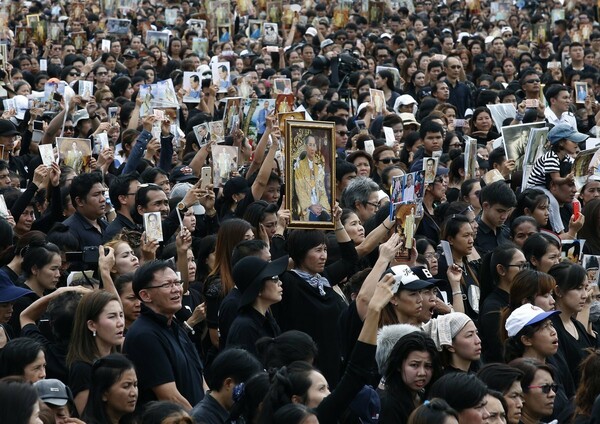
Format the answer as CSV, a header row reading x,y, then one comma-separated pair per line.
x,y
163,353
80,377
571,349
227,313
56,354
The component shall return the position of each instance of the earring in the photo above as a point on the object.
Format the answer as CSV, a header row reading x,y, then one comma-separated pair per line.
x,y
94,333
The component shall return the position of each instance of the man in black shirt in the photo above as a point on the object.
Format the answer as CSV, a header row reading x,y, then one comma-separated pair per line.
x,y
166,361
497,201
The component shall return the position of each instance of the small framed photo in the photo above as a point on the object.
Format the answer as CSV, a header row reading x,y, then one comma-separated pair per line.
x,y
75,152
270,34
310,169
118,26
581,92
282,86
254,29
430,168
377,101
153,226
157,38
224,32
86,89
113,115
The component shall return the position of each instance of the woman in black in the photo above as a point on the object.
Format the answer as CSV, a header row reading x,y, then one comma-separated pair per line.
x,y
413,366
571,295
310,303
258,281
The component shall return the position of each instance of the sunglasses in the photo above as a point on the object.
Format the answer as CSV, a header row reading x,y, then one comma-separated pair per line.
x,y
546,388
69,128
73,74
389,160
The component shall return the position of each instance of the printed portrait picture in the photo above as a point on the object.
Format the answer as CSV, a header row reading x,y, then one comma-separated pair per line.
x,y
310,162
75,152
270,35
192,87
234,115
581,92
255,113
153,226
202,134
377,101
224,162
515,141
220,76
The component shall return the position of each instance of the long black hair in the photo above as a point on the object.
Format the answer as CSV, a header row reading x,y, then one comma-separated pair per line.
x,y
106,371
394,384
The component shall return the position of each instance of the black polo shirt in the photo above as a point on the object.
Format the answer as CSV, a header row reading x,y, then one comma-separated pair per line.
x,y
248,327
84,231
162,354
487,240
209,411
115,227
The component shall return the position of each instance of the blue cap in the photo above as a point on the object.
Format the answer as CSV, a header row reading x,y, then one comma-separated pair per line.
x,y
8,291
565,131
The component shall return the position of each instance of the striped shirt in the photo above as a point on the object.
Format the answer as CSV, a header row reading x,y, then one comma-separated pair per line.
x,y
544,165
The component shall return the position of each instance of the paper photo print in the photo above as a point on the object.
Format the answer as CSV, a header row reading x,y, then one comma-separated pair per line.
x,y
192,87
224,161
220,76
153,226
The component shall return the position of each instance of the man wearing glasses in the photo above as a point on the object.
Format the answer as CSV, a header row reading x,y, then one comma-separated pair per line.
x,y
167,362
460,95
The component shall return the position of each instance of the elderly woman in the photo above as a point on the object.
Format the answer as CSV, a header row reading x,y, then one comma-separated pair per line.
x,y
310,303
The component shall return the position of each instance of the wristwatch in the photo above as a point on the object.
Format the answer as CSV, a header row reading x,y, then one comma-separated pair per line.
x,y
181,206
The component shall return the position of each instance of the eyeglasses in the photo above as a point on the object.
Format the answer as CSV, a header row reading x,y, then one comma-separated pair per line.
x,y
389,160
169,286
375,205
342,133
521,267
533,81
545,388
432,255
101,73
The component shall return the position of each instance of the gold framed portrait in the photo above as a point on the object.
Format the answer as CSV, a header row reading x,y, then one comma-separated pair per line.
x,y
310,173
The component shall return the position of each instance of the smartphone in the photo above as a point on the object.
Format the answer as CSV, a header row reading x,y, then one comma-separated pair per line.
x,y
38,125
205,176
576,210
459,123
57,97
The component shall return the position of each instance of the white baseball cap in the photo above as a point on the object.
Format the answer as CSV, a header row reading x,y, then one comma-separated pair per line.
x,y
525,315
311,31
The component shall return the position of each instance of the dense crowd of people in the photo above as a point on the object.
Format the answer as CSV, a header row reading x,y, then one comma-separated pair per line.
x,y
153,268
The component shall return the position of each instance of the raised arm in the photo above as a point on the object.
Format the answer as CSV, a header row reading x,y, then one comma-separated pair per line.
x,y
374,238
33,312
387,252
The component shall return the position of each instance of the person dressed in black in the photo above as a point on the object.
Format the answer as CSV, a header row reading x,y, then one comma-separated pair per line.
x,y
258,280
